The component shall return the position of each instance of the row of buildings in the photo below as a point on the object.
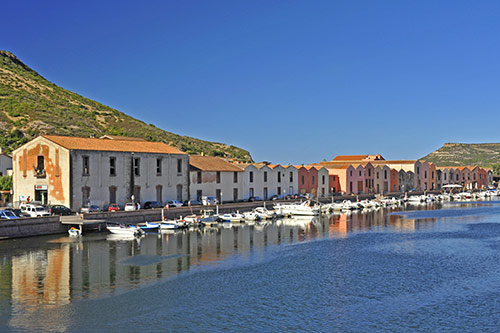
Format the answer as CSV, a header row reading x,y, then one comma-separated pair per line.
x,y
78,171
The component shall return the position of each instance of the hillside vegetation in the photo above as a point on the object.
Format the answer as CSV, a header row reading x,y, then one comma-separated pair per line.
x,y
462,154
30,105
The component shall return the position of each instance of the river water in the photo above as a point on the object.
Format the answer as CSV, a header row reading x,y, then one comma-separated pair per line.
x,y
431,268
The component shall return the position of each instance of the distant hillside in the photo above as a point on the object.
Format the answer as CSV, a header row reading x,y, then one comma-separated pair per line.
x,y
30,105
482,154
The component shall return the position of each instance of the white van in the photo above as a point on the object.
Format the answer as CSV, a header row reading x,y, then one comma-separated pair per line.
x,y
34,210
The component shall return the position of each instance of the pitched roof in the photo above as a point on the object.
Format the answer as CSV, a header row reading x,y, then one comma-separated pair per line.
x,y
358,158
340,158
244,165
124,138
212,163
78,143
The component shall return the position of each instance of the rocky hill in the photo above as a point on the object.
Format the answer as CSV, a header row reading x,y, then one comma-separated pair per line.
x,y
482,154
30,105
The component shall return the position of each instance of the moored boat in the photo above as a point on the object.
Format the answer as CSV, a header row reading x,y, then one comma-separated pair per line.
x,y
125,230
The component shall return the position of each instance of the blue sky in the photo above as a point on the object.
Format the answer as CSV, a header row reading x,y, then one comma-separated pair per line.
x,y
290,81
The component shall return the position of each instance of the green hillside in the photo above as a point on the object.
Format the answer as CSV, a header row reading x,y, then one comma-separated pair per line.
x,y
30,105
461,154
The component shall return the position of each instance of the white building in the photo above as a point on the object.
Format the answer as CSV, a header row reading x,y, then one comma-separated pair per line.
x,y
75,171
214,177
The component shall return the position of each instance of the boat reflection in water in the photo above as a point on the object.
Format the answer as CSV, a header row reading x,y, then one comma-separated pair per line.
x,y
52,271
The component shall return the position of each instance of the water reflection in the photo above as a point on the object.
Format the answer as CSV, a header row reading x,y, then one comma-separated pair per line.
x,y
53,271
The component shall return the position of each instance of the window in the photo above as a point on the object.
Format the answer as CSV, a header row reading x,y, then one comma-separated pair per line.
x,y
279,177
432,174
291,176
313,180
235,177
198,176
179,166
112,194
85,162
385,174
425,174
265,176
112,168
350,173
251,177
137,166
445,176
377,175
250,192
158,168
302,179
360,173
40,167
235,194
418,170
40,163
323,180
218,177
369,172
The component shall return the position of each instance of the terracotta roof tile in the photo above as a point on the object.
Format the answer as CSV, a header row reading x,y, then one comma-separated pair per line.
x,y
212,163
123,138
78,143
340,158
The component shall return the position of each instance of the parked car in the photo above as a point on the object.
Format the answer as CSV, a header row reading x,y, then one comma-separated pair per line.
x,y
277,197
129,206
60,210
17,212
35,210
174,203
191,203
8,215
90,209
254,199
113,207
153,204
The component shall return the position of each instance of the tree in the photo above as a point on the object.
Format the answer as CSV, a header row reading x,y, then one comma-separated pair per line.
x,y
5,183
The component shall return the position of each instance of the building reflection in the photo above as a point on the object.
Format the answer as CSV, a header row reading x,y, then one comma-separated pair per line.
x,y
96,265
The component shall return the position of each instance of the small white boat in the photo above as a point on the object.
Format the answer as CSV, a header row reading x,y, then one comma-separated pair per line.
x,y
169,225
232,217
259,213
305,208
125,230
349,205
74,232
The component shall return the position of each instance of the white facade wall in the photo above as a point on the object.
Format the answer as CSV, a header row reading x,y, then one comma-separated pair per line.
x,y
262,183
54,180
288,181
147,185
323,183
266,183
209,185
